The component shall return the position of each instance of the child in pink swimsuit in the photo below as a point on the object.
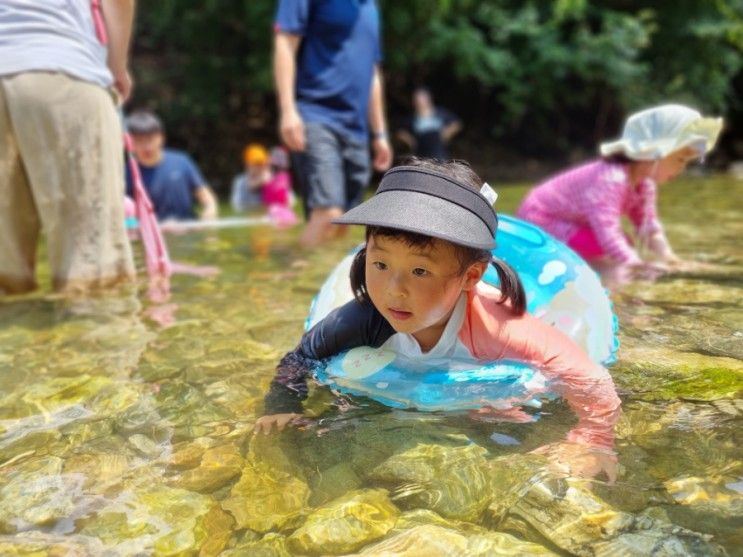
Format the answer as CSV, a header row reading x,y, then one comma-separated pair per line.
x,y
276,193
267,182
583,206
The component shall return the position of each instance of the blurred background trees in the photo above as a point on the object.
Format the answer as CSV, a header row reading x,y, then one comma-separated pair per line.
x,y
532,80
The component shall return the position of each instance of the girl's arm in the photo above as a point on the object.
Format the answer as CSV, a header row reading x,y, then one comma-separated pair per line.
x,y
353,324
602,207
647,224
493,332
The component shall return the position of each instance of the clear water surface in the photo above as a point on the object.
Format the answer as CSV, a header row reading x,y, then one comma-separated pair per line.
x,y
120,436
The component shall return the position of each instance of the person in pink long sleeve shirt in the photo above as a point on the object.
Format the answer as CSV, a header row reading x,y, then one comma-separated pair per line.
x,y
583,206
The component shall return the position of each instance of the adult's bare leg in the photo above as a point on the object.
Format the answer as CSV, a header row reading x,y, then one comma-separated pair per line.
x,y
320,227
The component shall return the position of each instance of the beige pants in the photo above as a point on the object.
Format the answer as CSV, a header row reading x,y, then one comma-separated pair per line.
x,y
61,170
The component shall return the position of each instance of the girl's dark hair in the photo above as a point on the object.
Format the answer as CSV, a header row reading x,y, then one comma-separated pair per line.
x,y
510,284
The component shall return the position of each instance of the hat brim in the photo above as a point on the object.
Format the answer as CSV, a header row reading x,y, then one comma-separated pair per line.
x,y
702,131
422,214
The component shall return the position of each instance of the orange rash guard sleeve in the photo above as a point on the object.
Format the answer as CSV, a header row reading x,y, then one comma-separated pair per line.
x,y
491,332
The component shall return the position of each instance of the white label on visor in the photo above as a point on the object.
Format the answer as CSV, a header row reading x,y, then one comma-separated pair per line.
x,y
489,193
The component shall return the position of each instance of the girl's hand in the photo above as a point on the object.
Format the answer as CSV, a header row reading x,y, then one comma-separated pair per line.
x,y
617,275
580,461
266,423
650,270
490,415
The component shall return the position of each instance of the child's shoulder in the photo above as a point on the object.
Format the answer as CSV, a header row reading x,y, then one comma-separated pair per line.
x,y
487,309
588,172
612,172
487,298
601,169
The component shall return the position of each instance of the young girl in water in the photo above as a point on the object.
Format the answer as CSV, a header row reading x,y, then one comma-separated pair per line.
x,y
418,292
583,206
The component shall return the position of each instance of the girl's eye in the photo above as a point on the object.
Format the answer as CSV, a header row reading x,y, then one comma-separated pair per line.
x,y
379,265
420,272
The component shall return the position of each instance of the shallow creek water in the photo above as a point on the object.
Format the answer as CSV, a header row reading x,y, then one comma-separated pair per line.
x,y
121,436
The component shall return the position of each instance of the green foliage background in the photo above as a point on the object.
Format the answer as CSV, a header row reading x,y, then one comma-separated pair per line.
x,y
539,80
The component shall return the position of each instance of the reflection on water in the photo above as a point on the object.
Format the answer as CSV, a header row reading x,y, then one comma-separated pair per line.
x,y
121,435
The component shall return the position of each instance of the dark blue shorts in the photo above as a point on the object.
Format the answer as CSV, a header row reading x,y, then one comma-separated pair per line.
x,y
333,170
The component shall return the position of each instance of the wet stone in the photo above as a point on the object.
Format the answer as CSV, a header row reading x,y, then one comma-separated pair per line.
x,y
678,439
218,467
142,417
75,434
333,482
145,446
180,402
42,544
367,436
449,480
210,370
346,524
266,498
217,527
112,444
151,519
34,499
75,409
188,454
239,394
64,391
690,292
664,374
713,506
569,515
675,542
693,490
429,540
32,442
422,517
24,469
99,470
437,541
271,545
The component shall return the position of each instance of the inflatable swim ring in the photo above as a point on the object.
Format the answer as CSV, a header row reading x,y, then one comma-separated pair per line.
x,y
561,290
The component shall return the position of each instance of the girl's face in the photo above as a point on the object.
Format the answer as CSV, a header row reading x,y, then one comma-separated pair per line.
x,y
415,289
674,164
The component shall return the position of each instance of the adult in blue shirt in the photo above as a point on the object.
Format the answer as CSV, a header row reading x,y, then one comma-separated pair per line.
x,y
171,178
329,86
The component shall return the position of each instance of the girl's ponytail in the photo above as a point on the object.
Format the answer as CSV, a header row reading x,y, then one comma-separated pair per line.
x,y
510,286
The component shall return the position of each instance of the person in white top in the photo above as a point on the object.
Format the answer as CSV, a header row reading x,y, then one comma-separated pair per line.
x,y
63,70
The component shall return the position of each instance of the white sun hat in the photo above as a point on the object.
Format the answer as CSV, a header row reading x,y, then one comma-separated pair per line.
x,y
657,132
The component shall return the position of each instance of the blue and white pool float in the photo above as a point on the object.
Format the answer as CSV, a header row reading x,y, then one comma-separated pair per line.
x,y
561,290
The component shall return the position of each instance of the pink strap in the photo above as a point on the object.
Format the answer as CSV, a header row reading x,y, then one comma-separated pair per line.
x,y
100,27
156,251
